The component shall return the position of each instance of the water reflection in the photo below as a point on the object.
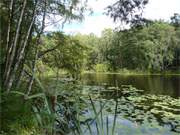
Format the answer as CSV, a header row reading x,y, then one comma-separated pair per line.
x,y
152,84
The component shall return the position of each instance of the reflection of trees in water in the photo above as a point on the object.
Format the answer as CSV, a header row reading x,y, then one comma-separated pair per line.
x,y
153,84
163,85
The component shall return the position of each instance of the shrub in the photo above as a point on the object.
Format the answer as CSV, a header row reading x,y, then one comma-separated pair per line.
x,y
101,67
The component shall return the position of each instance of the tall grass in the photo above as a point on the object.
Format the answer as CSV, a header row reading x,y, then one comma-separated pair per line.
x,y
99,119
44,120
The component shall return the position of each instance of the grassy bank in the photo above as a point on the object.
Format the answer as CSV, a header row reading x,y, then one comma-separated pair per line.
x,y
135,72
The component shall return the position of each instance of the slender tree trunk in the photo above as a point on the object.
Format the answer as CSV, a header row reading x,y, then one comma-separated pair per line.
x,y
9,24
10,58
8,37
32,77
18,81
21,53
37,51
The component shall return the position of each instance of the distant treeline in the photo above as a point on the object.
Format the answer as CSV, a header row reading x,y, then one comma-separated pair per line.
x,y
152,46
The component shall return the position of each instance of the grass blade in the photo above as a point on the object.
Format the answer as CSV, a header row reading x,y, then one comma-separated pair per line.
x,y
18,92
36,96
89,128
107,125
115,116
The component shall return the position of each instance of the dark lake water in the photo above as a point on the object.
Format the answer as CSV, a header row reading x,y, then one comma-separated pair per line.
x,y
152,84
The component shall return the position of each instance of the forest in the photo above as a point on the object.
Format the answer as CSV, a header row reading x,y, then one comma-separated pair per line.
x,y
151,47
55,83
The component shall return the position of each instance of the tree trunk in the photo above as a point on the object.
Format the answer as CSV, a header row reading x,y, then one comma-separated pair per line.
x,y
21,53
18,81
9,24
32,77
8,37
37,52
11,55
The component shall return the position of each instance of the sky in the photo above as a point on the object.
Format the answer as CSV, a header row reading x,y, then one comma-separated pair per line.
x,y
95,23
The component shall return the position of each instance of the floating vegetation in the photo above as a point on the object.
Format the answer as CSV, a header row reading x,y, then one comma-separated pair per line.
x,y
136,112
159,111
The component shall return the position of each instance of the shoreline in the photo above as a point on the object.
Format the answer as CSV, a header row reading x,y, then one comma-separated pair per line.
x,y
132,73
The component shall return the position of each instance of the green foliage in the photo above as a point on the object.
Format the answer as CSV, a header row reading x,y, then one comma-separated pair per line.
x,y
149,48
91,41
105,44
57,107
66,53
14,116
101,67
152,47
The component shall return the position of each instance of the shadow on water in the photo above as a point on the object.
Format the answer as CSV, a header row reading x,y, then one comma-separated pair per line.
x,y
152,84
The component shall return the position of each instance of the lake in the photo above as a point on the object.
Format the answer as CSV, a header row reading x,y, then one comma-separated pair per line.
x,y
156,110
152,84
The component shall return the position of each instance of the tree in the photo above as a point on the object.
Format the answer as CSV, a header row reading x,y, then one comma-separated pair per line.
x,y
69,53
126,10
151,47
91,41
26,23
175,20
105,44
